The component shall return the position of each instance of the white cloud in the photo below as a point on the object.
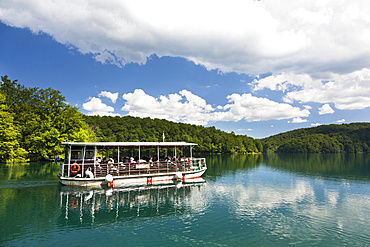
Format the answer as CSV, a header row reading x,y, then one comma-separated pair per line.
x,y
239,35
325,109
182,107
316,124
346,91
341,121
112,96
96,107
190,108
298,120
251,108
281,82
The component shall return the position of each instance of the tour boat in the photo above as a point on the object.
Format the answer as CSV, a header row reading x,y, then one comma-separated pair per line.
x,y
117,164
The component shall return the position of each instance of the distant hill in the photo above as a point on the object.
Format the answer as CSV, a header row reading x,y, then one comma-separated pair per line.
x,y
334,138
209,139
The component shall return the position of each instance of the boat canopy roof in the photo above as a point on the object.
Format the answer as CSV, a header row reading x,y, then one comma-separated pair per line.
x,y
130,144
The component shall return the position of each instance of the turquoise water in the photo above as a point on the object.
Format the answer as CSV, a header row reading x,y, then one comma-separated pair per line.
x,y
244,200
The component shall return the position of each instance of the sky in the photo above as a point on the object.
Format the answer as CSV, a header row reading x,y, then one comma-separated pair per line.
x,y
252,67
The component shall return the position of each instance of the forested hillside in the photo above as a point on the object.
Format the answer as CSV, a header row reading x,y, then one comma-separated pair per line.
x,y
137,129
345,138
33,123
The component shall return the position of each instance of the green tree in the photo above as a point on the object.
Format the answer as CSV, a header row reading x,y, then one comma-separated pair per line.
x,y
10,150
43,119
136,129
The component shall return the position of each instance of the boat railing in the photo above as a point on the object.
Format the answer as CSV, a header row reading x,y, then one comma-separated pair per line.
x,y
91,170
199,163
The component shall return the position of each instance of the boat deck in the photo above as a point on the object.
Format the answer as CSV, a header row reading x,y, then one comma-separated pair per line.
x,y
123,169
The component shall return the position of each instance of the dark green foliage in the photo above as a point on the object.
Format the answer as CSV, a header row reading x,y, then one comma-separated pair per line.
x,y
39,120
137,129
345,138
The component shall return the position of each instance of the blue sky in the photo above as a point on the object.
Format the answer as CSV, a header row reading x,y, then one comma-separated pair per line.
x,y
253,67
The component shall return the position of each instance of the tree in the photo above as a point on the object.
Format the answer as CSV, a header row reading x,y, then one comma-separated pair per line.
x,y
136,129
43,119
10,150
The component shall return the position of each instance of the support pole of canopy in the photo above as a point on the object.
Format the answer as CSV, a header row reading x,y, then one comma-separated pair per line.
x,y
83,160
117,162
158,154
65,160
175,158
191,154
69,160
139,154
95,151
118,155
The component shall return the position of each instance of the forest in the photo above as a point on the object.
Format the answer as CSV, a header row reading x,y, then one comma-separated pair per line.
x,y
34,122
209,139
333,138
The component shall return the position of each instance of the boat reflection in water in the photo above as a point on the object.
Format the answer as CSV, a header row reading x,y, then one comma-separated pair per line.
x,y
89,205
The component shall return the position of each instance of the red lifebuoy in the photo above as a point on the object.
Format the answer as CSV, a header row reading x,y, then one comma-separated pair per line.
x,y
75,168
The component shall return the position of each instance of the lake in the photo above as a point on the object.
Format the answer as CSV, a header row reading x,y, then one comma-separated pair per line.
x,y
244,200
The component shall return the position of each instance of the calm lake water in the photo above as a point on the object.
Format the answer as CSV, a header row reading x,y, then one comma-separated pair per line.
x,y
245,200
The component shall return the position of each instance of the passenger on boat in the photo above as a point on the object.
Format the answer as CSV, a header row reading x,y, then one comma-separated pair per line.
x,y
131,162
122,163
111,163
168,160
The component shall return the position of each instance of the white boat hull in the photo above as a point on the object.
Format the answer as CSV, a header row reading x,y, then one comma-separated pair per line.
x,y
132,180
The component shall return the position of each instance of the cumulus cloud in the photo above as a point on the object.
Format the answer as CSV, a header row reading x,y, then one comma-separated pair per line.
x,y
239,35
316,51
298,120
112,96
325,109
181,107
341,121
251,108
346,91
96,107
189,108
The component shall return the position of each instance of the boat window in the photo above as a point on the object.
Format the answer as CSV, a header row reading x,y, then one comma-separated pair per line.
x,y
75,155
89,154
